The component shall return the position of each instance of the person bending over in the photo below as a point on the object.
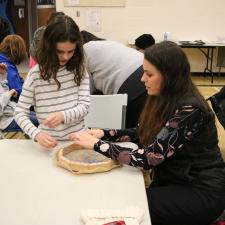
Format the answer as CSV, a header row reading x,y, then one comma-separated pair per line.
x,y
115,69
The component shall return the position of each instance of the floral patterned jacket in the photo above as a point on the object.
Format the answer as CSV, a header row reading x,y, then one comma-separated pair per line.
x,y
179,129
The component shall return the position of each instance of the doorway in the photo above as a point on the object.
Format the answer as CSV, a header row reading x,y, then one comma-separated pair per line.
x,y
23,14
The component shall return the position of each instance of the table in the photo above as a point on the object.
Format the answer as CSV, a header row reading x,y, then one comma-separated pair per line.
x,y
35,191
207,50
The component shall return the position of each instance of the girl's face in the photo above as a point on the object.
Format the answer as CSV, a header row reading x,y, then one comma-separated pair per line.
x,y
65,51
152,79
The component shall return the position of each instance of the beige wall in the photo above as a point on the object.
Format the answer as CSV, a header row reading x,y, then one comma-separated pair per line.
x,y
185,20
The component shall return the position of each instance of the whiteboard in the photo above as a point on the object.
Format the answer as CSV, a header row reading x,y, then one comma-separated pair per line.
x,y
111,3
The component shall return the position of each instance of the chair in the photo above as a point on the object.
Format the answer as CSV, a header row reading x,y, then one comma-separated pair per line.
x,y
107,111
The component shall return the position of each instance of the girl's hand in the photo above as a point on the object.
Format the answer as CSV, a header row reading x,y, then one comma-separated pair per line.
x,y
98,133
84,139
46,140
53,120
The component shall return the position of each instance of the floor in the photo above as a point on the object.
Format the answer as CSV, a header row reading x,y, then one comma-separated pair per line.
x,y
206,87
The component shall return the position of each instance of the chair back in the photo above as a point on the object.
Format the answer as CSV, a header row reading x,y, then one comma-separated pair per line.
x,y
107,111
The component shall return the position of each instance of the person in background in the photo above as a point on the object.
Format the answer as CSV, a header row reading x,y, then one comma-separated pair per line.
x,y
58,86
115,69
7,107
12,53
38,34
144,41
220,95
218,104
4,29
178,141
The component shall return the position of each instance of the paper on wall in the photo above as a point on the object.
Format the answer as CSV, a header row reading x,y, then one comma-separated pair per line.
x,y
93,19
73,2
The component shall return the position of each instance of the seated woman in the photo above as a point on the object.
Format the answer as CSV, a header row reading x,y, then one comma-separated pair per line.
x,y
7,107
12,53
178,140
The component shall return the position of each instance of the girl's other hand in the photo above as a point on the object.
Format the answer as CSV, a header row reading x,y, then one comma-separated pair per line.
x,y
54,120
98,133
46,140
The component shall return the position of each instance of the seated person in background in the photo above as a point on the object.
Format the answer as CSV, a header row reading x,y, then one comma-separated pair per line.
x,y
35,44
220,95
218,105
12,53
144,41
7,107
179,142
115,69
4,29
58,86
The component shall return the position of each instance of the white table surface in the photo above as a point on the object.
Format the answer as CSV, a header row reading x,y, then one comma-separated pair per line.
x,y
34,191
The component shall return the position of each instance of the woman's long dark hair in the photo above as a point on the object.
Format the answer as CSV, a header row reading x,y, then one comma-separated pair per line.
x,y
60,29
174,67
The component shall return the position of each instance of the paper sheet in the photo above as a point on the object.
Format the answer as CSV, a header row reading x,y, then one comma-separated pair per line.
x,y
93,19
73,2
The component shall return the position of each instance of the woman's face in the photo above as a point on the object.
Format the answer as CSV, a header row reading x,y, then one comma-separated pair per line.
x,y
152,79
65,51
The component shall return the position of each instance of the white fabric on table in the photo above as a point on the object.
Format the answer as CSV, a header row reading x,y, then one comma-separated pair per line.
x,y
131,216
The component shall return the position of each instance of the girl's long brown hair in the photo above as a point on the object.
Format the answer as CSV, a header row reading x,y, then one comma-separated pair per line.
x,y
173,65
60,29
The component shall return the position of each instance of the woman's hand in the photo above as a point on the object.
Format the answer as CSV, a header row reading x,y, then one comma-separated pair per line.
x,y
53,120
46,140
13,92
98,133
84,139
3,68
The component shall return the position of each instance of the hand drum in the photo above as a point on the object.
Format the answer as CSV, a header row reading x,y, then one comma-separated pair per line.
x,y
80,161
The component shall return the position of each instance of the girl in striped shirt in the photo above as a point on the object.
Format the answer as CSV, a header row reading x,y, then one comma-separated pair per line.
x,y
58,87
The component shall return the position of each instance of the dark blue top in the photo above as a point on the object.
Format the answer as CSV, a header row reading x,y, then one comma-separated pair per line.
x,y
15,81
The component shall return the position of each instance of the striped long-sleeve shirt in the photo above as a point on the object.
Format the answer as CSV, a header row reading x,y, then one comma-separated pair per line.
x,y
46,98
